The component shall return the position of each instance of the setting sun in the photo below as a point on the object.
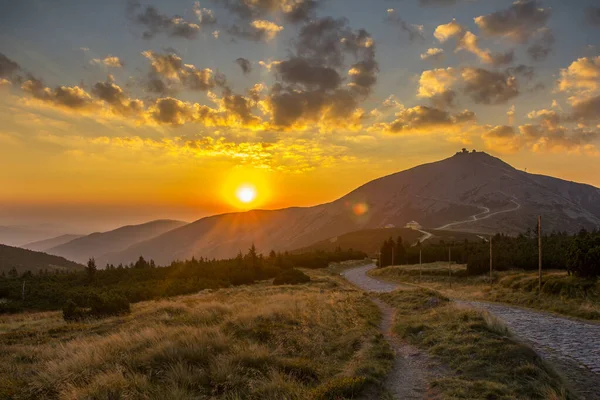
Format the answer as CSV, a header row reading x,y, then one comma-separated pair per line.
x,y
246,193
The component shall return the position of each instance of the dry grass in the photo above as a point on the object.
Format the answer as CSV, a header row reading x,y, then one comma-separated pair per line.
x,y
560,294
256,342
486,362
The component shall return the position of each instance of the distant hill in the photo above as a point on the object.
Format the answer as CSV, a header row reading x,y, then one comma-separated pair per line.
x,y
99,244
18,235
43,245
27,260
470,192
370,240
367,240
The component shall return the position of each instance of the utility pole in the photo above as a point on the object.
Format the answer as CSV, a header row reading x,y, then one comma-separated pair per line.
x,y
540,252
23,291
393,255
491,263
379,255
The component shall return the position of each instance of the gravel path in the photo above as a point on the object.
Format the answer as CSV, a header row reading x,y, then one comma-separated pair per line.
x,y
572,346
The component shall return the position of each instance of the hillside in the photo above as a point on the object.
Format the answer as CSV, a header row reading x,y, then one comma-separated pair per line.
x,y
99,244
472,192
27,260
46,244
16,235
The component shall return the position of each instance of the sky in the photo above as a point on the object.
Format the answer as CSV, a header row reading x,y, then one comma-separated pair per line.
x,y
120,112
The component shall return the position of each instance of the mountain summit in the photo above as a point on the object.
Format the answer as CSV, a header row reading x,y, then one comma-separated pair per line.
x,y
470,191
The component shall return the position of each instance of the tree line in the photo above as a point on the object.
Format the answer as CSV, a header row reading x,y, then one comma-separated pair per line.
x,y
579,254
144,280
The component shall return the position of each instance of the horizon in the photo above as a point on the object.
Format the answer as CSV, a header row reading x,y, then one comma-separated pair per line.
x,y
121,120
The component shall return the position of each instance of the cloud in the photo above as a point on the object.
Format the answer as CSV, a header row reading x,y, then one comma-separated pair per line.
x,y
587,109
205,16
466,40
413,31
433,54
108,61
258,30
517,23
489,87
172,68
593,15
8,67
582,76
423,119
437,85
543,44
114,96
502,138
245,65
294,11
156,22
73,97
298,70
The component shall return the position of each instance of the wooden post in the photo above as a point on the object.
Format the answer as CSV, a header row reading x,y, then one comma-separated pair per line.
x,y
393,255
540,252
491,264
379,255
23,291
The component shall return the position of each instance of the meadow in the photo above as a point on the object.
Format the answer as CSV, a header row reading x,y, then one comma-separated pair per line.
x,y
561,293
253,342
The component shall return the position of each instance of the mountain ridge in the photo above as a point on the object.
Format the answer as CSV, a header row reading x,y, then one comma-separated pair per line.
x,y
449,191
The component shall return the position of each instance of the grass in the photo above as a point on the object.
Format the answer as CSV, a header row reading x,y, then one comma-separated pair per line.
x,y
313,341
561,294
484,361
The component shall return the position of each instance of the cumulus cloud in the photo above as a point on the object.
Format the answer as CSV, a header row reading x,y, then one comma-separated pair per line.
x,y
481,85
466,40
517,23
587,109
422,119
582,76
413,31
168,70
309,88
489,87
116,98
257,30
156,22
442,3
70,97
293,11
108,61
437,85
433,54
501,138
244,64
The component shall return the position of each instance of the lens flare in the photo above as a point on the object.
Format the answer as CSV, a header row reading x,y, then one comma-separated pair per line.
x,y
360,209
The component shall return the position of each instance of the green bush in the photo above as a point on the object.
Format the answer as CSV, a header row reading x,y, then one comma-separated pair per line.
x,y
73,313
291,277
110,303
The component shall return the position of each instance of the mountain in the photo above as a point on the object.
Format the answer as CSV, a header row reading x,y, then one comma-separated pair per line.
x,y
17,235
471,192
100,244
46,244
27,260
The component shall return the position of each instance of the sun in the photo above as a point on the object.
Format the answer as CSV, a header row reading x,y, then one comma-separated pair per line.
x,y
246,193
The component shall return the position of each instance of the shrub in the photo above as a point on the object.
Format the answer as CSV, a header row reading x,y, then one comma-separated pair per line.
x,y
110,303
291,277
73,313
584,256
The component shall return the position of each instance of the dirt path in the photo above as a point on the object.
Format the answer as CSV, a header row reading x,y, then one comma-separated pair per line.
x,y
484,215
572,346
412,371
